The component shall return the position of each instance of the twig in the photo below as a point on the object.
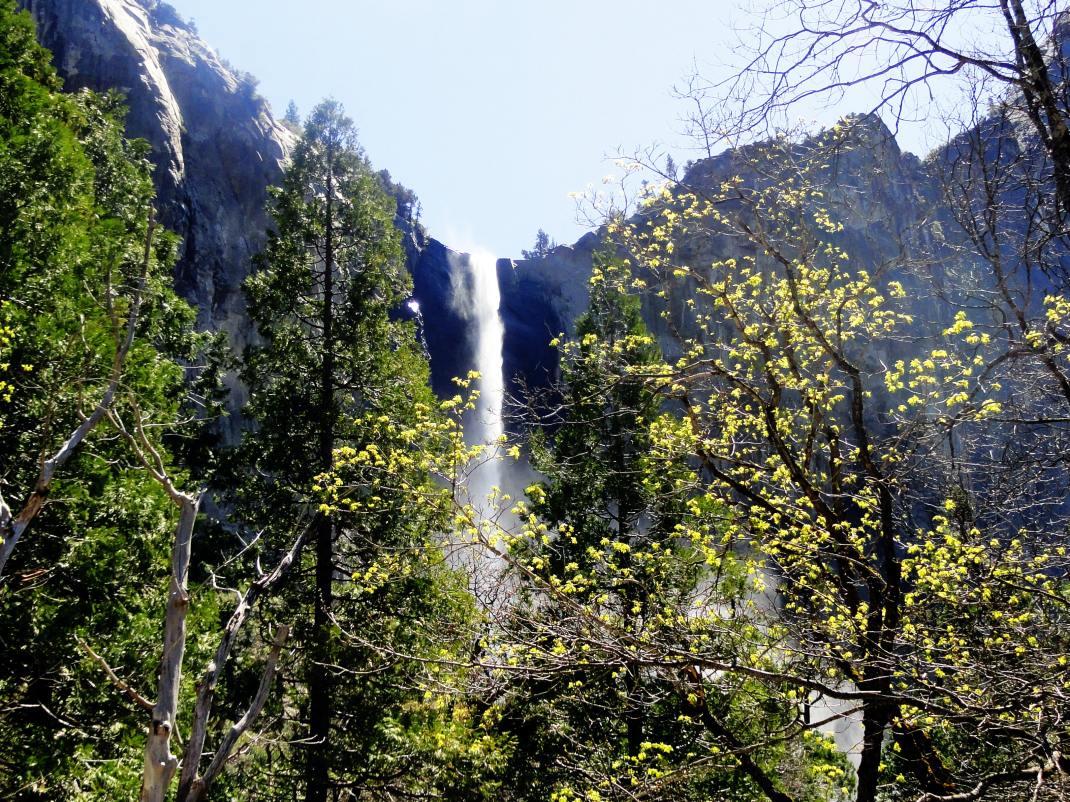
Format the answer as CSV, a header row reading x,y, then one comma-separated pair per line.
x,y
116,680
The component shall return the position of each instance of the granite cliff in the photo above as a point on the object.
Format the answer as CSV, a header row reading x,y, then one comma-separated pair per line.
x,y
886,198
215,145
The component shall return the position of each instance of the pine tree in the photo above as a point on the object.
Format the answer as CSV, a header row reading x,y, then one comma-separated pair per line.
x,y
292,117
543,246
336,373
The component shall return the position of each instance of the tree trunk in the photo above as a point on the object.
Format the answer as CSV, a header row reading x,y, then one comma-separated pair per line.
x,y
198,787
160,764
319,690
192,787
874,722
12,527
1041,98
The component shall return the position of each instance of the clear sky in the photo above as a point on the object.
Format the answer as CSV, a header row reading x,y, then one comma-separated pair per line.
x,y
492,111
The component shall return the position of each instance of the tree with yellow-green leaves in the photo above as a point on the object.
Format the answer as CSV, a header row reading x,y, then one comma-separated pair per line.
x,y
848,470
978,411
831,453
620,551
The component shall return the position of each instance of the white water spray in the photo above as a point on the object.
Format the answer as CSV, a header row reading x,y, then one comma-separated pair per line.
x,y
486,425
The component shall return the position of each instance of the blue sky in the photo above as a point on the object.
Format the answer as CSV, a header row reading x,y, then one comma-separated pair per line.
x,y
492,111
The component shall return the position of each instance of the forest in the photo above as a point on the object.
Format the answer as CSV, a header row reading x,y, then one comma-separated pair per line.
x,y
799,503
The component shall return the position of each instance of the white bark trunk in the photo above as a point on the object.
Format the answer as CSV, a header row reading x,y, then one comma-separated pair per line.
x,y
160,764
199,787
189,782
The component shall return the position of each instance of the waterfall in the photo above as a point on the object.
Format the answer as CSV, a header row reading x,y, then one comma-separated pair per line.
x,y
485,424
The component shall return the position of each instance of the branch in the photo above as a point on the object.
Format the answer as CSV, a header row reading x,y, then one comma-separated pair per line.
x,y
1058,764
201,785
206,690
11,529
717,729
116,680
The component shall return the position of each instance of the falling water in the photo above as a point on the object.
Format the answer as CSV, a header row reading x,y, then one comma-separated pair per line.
x,y
485,422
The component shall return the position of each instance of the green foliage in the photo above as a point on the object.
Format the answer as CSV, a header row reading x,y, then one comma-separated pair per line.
x,y
619,550
608,492
543,246
75,199
339,391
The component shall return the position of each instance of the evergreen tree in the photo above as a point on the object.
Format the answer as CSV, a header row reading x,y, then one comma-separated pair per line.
x,y
335,367
543,246
292,117
90,326
595,494
606,498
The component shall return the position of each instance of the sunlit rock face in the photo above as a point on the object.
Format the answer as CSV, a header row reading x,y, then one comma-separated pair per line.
x,y
217,150
215,145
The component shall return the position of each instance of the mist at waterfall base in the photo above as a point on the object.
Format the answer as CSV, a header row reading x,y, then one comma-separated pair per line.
x,y
478,299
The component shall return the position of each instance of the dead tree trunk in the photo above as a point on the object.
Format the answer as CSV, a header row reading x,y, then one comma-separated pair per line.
x,y
160,764
12,526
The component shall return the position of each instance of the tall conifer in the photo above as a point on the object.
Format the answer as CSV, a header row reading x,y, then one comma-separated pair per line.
x,y
340,373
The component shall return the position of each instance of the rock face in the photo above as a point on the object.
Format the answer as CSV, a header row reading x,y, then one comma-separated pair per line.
x,y
217,149
438,275
215,145
885,198
541,298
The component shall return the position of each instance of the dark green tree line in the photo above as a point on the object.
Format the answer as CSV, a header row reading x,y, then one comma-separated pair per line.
x,y
91,326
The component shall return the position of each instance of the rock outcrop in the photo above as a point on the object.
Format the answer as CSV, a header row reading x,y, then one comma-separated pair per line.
x,y
439,282
215,145
217,150
541,298
885,198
